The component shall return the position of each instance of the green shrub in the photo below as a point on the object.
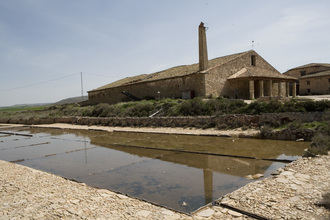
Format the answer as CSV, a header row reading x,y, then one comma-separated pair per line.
x,y
320,142
325,201
320,145
174,107
140,110
265,131
192,107
102,110
292,106
259,107
87,111
295,125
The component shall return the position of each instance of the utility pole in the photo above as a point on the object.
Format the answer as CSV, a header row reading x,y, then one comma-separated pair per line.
x,y
81,83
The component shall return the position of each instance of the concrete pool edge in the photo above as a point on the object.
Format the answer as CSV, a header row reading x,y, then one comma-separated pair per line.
x,y
298,186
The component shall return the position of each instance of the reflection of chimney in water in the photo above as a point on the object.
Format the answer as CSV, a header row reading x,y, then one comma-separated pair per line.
x,y
208,185
85,150
203,58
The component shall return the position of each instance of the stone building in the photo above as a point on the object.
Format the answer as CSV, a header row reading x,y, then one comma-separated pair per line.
x,y
244,75
313,78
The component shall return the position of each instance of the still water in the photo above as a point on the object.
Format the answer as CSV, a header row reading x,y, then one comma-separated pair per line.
x,y
179,180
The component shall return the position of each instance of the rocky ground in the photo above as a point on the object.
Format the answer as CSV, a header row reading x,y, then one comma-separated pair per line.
x,y
293,193
32,194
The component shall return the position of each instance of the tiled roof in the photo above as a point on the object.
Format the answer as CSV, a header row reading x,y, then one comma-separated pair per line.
x,y
250,72
323,73
311,65
171,72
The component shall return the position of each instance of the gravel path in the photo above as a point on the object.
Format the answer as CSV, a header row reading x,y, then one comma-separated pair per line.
x,y
163,130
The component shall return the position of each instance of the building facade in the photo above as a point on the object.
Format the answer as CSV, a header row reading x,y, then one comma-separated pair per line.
x,y
313,78
244,75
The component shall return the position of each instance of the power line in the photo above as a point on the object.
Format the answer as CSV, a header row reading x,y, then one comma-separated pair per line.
x,y
40,82
100,75
56,79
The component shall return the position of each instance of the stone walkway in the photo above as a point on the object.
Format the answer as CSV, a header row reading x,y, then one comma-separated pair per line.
x,y
32,194
292,194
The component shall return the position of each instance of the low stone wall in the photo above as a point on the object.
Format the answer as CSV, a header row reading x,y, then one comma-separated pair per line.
x,y
290,134
222,121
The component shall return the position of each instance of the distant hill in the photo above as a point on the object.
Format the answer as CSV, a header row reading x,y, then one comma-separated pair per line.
x,y
25,107
42,105
71,100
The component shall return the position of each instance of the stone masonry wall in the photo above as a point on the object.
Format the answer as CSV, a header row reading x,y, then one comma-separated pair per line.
x,y
296,72
169,88
223,121
216,82
317,85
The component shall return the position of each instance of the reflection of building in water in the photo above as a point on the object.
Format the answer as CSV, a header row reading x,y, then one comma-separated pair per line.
x,y
208,163
226,165
85,148
208,185
238,167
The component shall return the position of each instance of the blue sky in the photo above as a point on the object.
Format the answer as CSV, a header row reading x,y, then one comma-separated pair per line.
x,y
53,41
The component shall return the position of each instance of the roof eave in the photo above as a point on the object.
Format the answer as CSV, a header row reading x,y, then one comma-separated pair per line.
x,y
263,77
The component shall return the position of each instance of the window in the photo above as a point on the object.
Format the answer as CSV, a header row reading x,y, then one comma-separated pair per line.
x,y
302,73
308,83
253,60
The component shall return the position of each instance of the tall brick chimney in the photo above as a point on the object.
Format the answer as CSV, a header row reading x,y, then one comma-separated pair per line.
x,y
203,59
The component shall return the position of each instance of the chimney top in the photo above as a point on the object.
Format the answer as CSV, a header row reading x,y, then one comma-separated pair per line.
x,y
203,58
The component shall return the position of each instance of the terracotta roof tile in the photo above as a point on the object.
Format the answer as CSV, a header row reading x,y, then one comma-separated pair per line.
x,y
171,72
323,73
256,72
311,65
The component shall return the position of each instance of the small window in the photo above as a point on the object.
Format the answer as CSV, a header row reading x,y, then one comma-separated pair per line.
x,y
308,83
253,60
308,91
302,73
